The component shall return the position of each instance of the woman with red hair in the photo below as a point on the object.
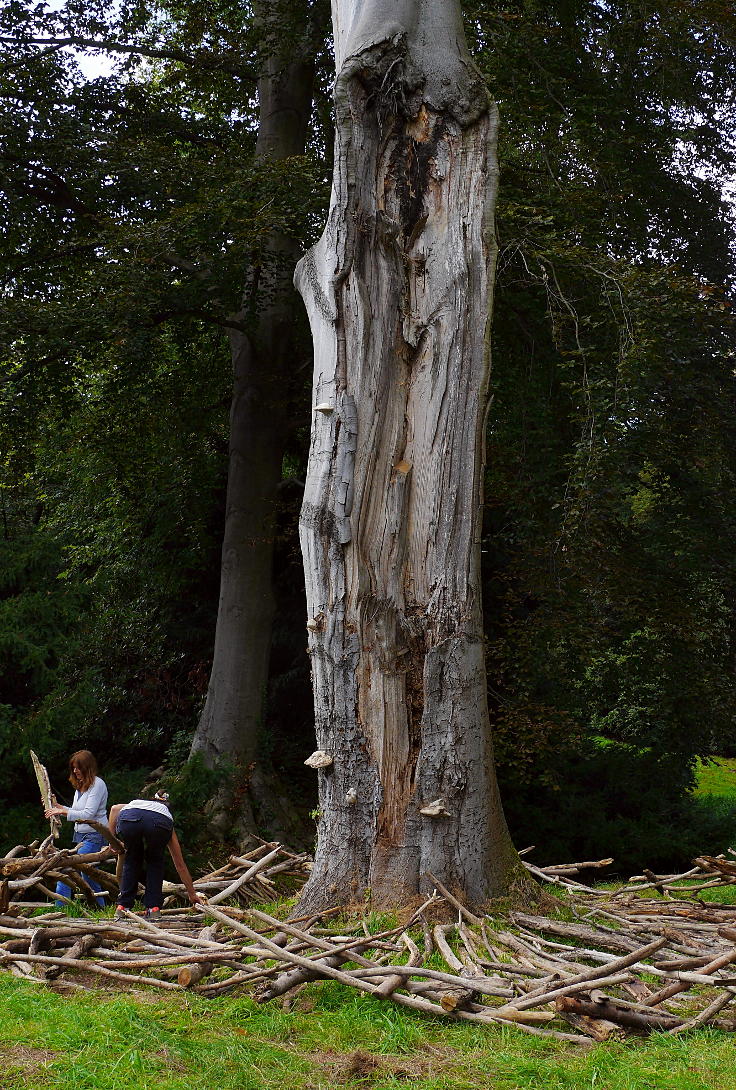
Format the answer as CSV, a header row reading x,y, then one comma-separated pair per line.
x,y
90,804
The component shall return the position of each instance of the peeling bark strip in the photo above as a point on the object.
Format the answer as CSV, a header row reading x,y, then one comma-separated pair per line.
x,y
398,291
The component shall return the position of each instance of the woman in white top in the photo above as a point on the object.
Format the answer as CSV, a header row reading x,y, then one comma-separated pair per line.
x,y
90,804
146,828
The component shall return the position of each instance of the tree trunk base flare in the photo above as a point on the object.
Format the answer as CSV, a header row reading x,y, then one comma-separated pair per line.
x,y
276,815
228,815
398,292
255,803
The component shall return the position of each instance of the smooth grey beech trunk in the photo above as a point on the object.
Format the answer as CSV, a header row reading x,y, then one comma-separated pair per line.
x,y
232,720
398,292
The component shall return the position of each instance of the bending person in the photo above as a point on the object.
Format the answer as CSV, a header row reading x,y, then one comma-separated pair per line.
x,y
146,828
90,804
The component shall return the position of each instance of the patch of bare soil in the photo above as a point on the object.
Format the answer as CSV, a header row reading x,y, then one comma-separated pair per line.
x,y
366,1067
20,1061
301,1003
171,1061
27,1057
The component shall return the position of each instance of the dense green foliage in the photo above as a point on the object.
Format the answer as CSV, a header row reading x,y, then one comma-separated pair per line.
x,y
612,458
133,217
133,213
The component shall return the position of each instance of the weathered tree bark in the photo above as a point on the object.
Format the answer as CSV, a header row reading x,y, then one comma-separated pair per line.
x,y
398,292
232,720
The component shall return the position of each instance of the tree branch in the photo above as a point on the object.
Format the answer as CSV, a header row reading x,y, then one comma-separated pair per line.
x,y
206,59
57,191
194,312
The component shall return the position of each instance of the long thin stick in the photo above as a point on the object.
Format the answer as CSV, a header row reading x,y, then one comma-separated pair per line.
x,y
244,878
44,785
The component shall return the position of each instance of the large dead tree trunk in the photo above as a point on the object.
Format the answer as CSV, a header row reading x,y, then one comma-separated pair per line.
x,y
232,720
398,292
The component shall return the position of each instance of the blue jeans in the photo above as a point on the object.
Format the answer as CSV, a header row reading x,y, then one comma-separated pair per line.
x,y
145,835
91,842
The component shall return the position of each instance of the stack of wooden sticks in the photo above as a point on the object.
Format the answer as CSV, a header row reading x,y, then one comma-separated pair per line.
x,y
36,869
609,964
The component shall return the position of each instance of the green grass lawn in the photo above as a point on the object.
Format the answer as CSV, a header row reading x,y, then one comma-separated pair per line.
x,y
717,779
332,1038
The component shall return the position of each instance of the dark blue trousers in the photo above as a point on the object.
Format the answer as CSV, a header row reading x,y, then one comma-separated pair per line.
x,y
145,835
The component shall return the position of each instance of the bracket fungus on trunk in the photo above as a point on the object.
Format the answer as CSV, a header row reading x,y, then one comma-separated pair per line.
x,y
435,809
319,759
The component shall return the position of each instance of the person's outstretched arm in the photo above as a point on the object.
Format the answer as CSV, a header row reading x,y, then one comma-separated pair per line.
x,y
183,871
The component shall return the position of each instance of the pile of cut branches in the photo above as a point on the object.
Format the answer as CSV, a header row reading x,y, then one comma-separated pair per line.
x,y
609,964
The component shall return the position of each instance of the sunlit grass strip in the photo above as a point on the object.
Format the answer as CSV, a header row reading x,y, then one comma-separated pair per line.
x,y
717,778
